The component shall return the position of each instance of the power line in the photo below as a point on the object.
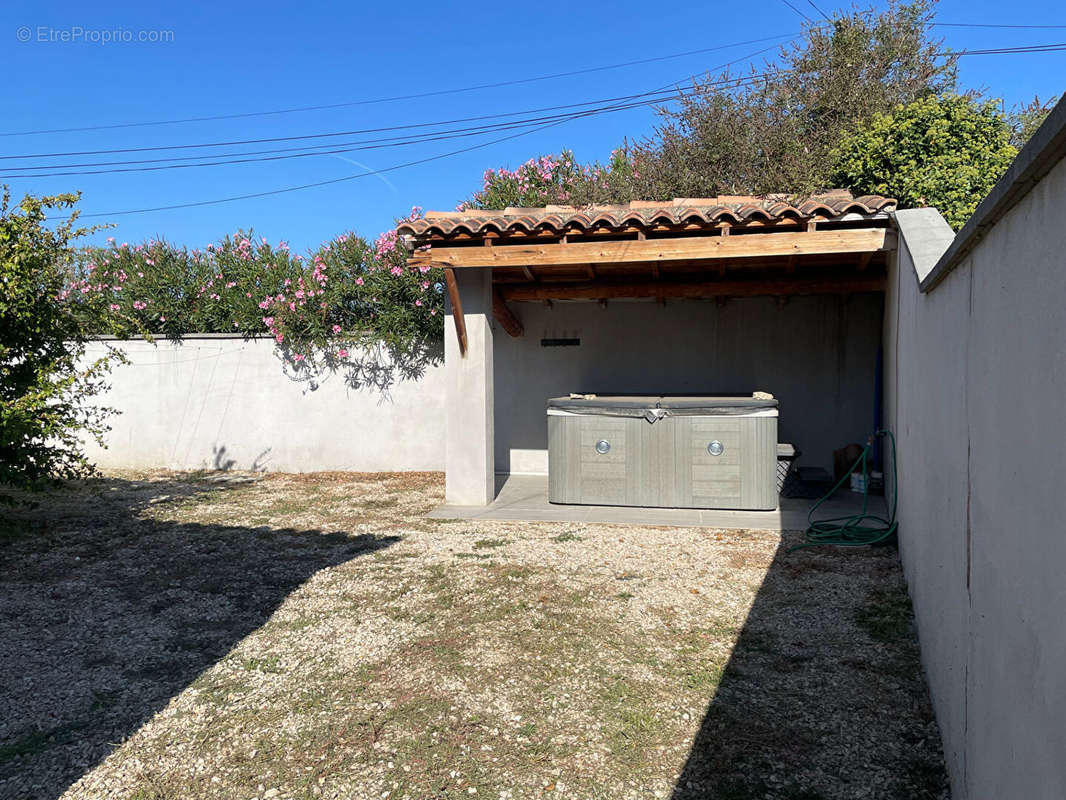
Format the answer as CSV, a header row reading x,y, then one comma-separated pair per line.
x,y
498,84
382,129
418,96
1021,49
317,184
816,8
787,3
993,25
1054,47
481,131
236,142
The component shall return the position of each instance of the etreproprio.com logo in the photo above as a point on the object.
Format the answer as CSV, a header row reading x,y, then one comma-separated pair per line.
x,y
76,34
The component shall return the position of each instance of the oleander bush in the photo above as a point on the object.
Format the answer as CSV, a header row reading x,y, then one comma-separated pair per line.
x,y
320,309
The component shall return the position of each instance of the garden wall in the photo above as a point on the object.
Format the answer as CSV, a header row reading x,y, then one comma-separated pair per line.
x,y
975,390
226,402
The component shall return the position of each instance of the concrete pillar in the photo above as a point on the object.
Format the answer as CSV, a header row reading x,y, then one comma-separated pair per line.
x,y
470,467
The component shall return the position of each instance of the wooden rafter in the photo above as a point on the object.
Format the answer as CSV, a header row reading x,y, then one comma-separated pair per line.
x,y
818,242
601,290
457,309
504,315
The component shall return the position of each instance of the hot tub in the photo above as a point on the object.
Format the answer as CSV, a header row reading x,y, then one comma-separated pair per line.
x,y
662,451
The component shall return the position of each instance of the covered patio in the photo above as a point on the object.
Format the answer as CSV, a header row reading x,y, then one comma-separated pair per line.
x,y
724,295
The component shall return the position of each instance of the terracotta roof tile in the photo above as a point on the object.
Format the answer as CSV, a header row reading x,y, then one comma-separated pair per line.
x,y
735,209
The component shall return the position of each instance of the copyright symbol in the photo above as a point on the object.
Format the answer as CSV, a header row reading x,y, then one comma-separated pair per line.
x,y
23,34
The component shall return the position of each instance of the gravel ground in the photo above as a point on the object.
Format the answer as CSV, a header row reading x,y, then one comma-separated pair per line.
x,y
177,635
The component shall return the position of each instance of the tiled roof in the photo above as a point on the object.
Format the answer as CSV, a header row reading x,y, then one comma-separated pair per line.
x,y
705,211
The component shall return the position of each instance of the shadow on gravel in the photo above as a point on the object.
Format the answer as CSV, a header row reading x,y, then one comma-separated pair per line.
x,y
823,697
107,616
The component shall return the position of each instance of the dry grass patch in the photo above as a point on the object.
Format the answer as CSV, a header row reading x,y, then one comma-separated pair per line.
x,y
301,636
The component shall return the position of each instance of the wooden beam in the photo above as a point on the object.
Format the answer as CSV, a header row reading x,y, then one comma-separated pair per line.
x,y
600,290
528,273
860,240
457,309
508,321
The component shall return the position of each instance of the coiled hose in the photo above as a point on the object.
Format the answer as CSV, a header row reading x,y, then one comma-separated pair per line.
x,y
862,529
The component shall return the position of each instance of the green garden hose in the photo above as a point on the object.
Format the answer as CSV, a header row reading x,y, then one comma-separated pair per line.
x,y
858,530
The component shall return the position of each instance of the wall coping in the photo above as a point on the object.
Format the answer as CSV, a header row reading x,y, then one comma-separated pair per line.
x,y
175,339
926,235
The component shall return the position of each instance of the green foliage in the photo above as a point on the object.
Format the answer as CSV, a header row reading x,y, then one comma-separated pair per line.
x,y
45,384
776,133
769,133
944,152
320,309
1026,119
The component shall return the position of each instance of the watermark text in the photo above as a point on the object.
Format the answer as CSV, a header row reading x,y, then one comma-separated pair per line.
x,y
77,34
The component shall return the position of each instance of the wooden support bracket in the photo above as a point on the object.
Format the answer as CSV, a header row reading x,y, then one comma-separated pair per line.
x,y
457,309
504,315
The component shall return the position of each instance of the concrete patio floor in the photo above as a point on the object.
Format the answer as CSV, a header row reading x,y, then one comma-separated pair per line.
x,y
525,498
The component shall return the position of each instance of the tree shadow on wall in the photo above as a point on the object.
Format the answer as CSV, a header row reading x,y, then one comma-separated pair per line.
x,y
108,614
377,365
823,696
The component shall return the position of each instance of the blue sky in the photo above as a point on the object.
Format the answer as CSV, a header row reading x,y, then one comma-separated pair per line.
x,y
237,57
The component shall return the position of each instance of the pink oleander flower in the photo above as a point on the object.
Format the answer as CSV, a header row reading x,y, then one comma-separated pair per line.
x,y
114,307
418,303
359,281
297,357
342,354
336,328
279,338
268,321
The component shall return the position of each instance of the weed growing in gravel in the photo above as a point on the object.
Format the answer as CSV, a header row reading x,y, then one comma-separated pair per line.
x,y
568,536
886,615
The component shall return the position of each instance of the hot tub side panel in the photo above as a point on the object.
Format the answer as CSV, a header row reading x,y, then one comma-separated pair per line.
x,y
666,464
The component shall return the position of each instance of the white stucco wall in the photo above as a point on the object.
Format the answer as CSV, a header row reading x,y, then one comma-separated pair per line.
x,y
817,355
214,402
977,397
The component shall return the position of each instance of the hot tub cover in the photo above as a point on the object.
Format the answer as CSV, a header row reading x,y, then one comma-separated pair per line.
x,y
655,407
